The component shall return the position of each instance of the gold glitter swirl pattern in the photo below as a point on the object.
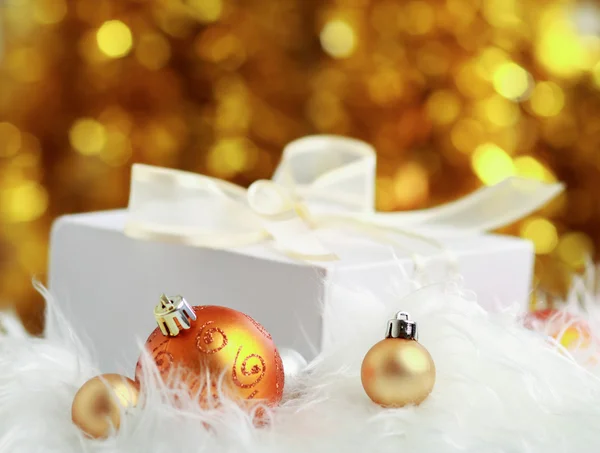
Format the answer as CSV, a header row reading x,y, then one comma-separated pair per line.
x,y
165,364
209,395
161,345
259,326
206,338
255,370
164,360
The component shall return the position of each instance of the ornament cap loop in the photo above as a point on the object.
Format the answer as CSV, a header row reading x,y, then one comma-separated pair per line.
x,y
173,314
401,327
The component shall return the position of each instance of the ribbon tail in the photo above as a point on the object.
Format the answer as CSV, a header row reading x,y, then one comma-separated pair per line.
x,y
486,209
496,206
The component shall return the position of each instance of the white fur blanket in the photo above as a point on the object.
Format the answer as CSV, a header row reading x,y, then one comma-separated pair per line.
x,y
500,388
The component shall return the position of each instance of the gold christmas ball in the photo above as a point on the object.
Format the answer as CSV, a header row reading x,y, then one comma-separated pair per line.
x,y
224,345
398,370
99,403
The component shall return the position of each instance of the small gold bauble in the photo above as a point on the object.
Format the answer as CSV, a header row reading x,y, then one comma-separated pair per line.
x,y
98,404
398,371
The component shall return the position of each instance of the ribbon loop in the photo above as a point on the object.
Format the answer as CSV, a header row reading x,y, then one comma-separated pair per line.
x,y
329,173
178,206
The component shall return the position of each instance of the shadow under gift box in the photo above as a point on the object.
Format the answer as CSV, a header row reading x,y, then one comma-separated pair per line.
x,y
107,283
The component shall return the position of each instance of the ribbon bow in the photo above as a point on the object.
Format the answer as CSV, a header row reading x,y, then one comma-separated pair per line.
x,y
321,181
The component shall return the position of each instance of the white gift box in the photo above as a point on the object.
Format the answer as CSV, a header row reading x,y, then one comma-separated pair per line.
x,y
273,250
108,283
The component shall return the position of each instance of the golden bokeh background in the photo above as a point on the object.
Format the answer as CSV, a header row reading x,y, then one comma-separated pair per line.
x,y
453,94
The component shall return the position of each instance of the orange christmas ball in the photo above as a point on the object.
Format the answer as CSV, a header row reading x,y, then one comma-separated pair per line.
x,y
226,346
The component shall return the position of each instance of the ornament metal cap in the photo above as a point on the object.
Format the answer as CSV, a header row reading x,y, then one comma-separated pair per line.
x,y
401,327
173,314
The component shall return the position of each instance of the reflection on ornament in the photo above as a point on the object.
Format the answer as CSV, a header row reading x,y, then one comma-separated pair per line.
x,y
398,371
211,348
100,402
293,362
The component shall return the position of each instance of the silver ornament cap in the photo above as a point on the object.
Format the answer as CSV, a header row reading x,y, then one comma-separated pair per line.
x,y
173,314
401,327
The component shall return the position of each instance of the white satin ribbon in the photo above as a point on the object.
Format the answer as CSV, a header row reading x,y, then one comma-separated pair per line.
x,y
321,181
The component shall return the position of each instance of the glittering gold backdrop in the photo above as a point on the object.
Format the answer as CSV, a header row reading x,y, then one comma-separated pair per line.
x,y
452,93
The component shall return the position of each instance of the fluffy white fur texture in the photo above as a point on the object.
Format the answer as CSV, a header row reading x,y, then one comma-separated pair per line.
x,y
500,389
